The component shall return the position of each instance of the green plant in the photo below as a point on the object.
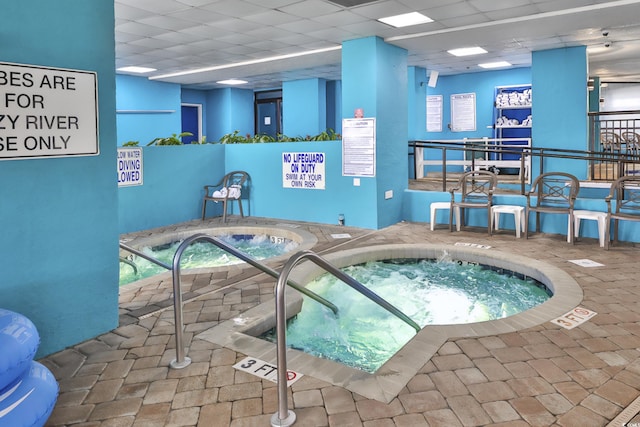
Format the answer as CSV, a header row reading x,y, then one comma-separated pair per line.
x,y
170,140
236,138
131,144
328,135
233,138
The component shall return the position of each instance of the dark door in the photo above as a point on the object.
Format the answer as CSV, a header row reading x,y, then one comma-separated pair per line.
x,y
190,123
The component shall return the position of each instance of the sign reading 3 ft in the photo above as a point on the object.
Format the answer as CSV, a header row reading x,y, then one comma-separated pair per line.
x,y
264,370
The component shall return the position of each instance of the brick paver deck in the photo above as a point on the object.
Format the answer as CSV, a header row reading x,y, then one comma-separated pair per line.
x,y
540,376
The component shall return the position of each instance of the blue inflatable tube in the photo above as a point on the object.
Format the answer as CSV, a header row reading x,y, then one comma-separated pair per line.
x,y
19,341
29,401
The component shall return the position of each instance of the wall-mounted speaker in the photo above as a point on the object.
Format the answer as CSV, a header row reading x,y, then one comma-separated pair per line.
x,y
433,79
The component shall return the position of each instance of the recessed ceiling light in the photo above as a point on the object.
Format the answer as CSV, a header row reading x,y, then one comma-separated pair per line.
x,y
466,51
232,82
134,69
406,20
497,64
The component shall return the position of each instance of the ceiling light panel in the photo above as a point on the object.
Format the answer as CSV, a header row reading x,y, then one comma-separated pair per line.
x,y
467,51
406,19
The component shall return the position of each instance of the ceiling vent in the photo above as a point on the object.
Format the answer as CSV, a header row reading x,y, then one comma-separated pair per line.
x,y
351,3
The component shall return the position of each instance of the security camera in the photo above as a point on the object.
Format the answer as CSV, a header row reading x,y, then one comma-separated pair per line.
x,y
605,33
607,44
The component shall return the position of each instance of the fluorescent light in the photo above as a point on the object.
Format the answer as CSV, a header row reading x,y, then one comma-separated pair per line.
x,y
497,64
134,69
406,20
242,64
466,51
232,82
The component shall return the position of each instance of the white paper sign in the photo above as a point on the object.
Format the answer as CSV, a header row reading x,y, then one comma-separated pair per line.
x,y
359,147
47,112
434,113
265,370
130,166
463,112
303,170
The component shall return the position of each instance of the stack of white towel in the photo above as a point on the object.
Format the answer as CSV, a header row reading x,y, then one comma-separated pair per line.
x,y
233,192
513,99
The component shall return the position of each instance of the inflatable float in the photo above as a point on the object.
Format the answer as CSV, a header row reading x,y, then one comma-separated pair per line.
x,y
28,390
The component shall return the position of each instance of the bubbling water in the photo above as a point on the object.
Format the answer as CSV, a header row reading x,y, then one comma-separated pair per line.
x,y
205,254
441,292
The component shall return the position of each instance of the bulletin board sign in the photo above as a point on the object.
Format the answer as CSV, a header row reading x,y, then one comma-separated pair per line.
x,y
303,170
47,112
130,167
463,112
359,147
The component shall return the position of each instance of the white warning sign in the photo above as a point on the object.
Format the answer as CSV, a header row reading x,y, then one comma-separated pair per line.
x,y
130,166
303,170
47,112
265,370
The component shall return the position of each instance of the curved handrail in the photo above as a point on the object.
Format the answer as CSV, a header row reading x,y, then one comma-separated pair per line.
x,y
180,360
285,417
130,264
143,255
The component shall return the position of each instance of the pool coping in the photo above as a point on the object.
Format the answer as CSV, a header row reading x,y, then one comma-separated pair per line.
x,y
387,382
304,238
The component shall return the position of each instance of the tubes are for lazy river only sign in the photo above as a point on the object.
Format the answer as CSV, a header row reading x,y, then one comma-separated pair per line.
x,y
47,112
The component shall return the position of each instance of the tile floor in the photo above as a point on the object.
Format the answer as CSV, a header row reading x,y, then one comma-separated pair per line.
x,y
541,376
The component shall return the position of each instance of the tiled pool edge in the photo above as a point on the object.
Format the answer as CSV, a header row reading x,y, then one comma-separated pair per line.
x,y
389,380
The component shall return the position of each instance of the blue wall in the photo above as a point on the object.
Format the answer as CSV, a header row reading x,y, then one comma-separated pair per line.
x,y
270,199
146,109
59,260
172,190
560,105
304,107
229,109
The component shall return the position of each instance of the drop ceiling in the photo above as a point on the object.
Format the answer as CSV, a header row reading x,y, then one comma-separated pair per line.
x,y
223,39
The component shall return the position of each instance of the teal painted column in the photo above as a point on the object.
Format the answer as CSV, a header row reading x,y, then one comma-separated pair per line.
x,y
60,251
374,78
304,107
559,83
228,110
417,102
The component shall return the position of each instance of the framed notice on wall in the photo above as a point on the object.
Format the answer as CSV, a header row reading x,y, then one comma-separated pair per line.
x,y
434,113
463,112
359,147
47,112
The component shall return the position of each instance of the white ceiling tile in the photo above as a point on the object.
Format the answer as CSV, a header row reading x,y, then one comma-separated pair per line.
x,y
310,8
186,34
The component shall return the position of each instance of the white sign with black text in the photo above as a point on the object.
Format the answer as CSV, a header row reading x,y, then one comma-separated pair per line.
x,y
47,112
265,370
303,170
130,166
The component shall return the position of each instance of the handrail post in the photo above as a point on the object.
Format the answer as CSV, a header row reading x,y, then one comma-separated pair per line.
x,y
444,169
285,417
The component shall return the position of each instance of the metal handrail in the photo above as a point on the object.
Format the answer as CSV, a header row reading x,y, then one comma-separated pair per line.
x,y
143,255
130,264
181,361
541,153
284,417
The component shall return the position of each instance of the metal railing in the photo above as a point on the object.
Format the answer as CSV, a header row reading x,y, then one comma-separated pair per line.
x,y
284,417
625,163
181,360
